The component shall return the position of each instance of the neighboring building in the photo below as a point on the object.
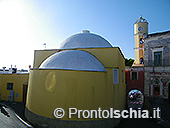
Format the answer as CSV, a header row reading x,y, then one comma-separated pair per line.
x,y
134,78
157,64
85,73
13,86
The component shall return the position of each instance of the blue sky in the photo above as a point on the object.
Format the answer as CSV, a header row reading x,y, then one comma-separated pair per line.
x,y
26,24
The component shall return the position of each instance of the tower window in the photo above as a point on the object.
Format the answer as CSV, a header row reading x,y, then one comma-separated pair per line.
x,y
141,61
141,41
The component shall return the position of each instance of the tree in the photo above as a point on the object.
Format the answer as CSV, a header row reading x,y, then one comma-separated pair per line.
x,y
129,62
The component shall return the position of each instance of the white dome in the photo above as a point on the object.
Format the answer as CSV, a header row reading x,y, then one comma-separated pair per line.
x,y
84,40
72,60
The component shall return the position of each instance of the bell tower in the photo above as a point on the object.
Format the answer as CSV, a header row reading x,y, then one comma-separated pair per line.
x,y
140,31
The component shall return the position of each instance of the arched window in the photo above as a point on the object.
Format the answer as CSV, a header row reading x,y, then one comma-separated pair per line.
x,y
141,61
141,40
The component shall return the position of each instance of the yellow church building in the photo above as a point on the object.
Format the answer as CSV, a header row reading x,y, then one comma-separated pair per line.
x,y
86,73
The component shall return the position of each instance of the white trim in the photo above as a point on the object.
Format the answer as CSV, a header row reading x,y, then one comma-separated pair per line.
x,y
140,34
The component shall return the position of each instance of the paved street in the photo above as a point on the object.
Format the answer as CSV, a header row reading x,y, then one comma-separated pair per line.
x,y
9,120
139,123
14,122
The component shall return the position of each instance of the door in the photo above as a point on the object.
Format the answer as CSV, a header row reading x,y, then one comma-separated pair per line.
x,y
25,87
156,91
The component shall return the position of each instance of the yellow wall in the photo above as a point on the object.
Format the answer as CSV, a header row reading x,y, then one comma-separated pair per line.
x,y
138,35
18,81
141,24
109,57
138,49
84,90
41,55
73,89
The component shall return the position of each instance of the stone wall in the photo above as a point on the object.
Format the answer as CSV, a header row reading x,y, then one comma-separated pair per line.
x,y
157,43
157,75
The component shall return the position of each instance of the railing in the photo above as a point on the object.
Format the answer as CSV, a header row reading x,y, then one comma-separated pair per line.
x,y
163,62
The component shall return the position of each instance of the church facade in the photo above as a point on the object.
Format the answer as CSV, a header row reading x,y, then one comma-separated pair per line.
x,y
85,73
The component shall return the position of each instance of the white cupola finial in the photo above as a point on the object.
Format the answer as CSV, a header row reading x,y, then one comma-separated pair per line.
x,y
85,31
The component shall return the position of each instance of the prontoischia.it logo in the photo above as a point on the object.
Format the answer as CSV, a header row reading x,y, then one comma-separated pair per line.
x,y
111,113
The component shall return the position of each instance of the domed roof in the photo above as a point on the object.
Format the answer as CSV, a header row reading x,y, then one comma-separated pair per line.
x,y
73,60
85,39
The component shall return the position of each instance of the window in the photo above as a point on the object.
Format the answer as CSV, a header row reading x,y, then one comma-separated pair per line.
x,y
141,61
158,58
134,75
115,76
9,86
156,81
141,41
122,76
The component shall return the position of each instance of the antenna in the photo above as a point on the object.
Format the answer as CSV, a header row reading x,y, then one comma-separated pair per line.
x,y
44,45
3,69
